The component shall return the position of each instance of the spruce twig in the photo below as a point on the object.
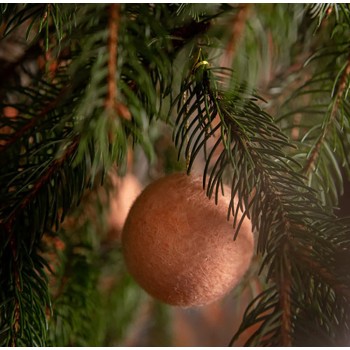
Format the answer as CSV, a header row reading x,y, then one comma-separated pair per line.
x,y
310,164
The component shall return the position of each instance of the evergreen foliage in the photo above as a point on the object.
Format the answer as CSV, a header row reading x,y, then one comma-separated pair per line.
x,y
260,93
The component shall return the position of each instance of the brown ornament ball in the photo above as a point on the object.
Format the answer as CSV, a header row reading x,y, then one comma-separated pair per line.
x,y
178,245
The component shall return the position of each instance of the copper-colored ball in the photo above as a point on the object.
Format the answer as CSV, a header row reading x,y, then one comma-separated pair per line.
x,y
178,245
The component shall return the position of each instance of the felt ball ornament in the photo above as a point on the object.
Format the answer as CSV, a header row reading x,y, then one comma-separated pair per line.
x,y
178,244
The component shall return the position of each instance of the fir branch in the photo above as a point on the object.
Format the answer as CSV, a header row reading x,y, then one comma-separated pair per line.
x,y
316,117
325,11
310,164
27,127
322,11
322,272
75,301
261,177
15,16
24,295
44,19
43,164
43,180
260,313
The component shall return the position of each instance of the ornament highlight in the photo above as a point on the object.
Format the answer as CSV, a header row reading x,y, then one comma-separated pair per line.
x,y
178,245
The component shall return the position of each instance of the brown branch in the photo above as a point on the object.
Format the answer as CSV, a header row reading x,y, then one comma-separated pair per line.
x,y
113,26
310,164
237,30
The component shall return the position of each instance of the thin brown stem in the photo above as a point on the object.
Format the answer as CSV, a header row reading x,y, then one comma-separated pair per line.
x,y
310,164
113,27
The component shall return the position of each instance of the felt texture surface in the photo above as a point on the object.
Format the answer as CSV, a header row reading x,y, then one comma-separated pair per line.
x,y
178,245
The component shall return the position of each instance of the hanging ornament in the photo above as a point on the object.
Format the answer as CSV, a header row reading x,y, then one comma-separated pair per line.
x,y
178,244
